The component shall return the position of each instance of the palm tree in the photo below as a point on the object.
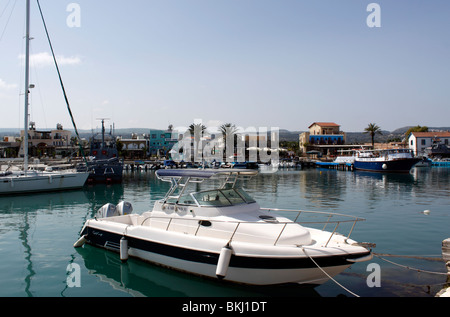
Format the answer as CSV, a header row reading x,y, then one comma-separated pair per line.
x,y
197,130
229,131
373,129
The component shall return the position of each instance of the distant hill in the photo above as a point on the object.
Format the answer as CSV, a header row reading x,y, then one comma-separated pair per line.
x,y
285,135
126,133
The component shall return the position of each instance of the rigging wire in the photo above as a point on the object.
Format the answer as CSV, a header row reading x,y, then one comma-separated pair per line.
x,y
9,17
62,84
1,14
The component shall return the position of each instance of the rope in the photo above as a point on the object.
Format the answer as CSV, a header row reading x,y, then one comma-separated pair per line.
x,y
62,84
411,268
433,258
328,274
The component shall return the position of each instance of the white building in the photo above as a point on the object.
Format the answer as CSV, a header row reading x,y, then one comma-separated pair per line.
x,y
419,141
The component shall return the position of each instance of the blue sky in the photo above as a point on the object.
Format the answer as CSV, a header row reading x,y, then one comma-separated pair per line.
x,y
254,63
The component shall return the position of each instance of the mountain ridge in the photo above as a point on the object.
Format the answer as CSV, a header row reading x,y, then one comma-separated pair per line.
x,y
285,135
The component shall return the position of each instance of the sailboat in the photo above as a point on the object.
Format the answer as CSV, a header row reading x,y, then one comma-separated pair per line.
x,y
28,180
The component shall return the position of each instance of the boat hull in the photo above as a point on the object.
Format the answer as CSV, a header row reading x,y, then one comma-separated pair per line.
x,y
394,166
106,173
42,182
249,263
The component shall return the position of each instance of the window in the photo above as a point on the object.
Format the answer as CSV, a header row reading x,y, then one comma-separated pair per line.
x,y
211,198
423,142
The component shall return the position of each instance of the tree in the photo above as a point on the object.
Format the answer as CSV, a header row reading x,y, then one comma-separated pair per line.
x,y
417,128
228,131
197,130
373,129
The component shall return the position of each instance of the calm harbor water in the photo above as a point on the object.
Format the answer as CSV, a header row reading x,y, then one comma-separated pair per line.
x,y
37,233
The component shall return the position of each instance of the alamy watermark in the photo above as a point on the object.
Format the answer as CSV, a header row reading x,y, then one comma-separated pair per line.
x,y
73,275
225,144
374,278
74,18
73,279
374,18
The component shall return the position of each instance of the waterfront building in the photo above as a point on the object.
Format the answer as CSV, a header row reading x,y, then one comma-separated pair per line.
x,y
419,142
323,137
161,142
136,147
44,142
9,147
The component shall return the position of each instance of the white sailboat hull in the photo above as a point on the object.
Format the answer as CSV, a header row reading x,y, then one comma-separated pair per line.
x,y
41,182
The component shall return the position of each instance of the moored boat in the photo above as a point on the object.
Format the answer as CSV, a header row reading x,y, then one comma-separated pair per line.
x,y
391,160
28,180
223,233
104,161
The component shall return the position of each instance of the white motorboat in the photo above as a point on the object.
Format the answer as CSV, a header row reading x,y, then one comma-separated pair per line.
x,y
27,180
223,233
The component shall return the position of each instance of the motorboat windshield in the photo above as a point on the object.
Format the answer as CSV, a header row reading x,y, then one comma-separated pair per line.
x,y
215,197
229,193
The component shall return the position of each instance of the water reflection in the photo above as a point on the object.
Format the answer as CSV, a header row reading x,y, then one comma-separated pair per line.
x,y
38,231
137,278
41,201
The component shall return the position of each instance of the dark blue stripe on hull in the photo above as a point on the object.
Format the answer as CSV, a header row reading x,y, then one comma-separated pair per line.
x,y
102,238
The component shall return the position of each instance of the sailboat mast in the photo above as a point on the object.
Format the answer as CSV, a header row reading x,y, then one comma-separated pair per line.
x,y
27,86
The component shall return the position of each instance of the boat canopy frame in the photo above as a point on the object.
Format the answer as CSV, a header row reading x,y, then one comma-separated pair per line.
x,y
179,179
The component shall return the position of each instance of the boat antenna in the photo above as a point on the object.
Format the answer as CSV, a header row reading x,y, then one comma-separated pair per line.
x,y
62,85
103,131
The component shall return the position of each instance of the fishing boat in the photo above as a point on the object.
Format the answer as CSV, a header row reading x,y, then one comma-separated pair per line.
x,y
104,162
208,225
26,180
391,160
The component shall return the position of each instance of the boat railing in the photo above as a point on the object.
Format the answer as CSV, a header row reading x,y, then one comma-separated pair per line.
x,y
330,219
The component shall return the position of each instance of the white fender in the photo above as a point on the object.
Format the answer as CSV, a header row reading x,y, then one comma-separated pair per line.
x,y
224,261
80,242
123,249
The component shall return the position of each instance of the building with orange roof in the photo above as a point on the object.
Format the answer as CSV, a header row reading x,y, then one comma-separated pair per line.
x,y
419,142
323,137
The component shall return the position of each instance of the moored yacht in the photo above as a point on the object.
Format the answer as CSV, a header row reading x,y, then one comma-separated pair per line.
x,y
391,160
26,180
221,232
